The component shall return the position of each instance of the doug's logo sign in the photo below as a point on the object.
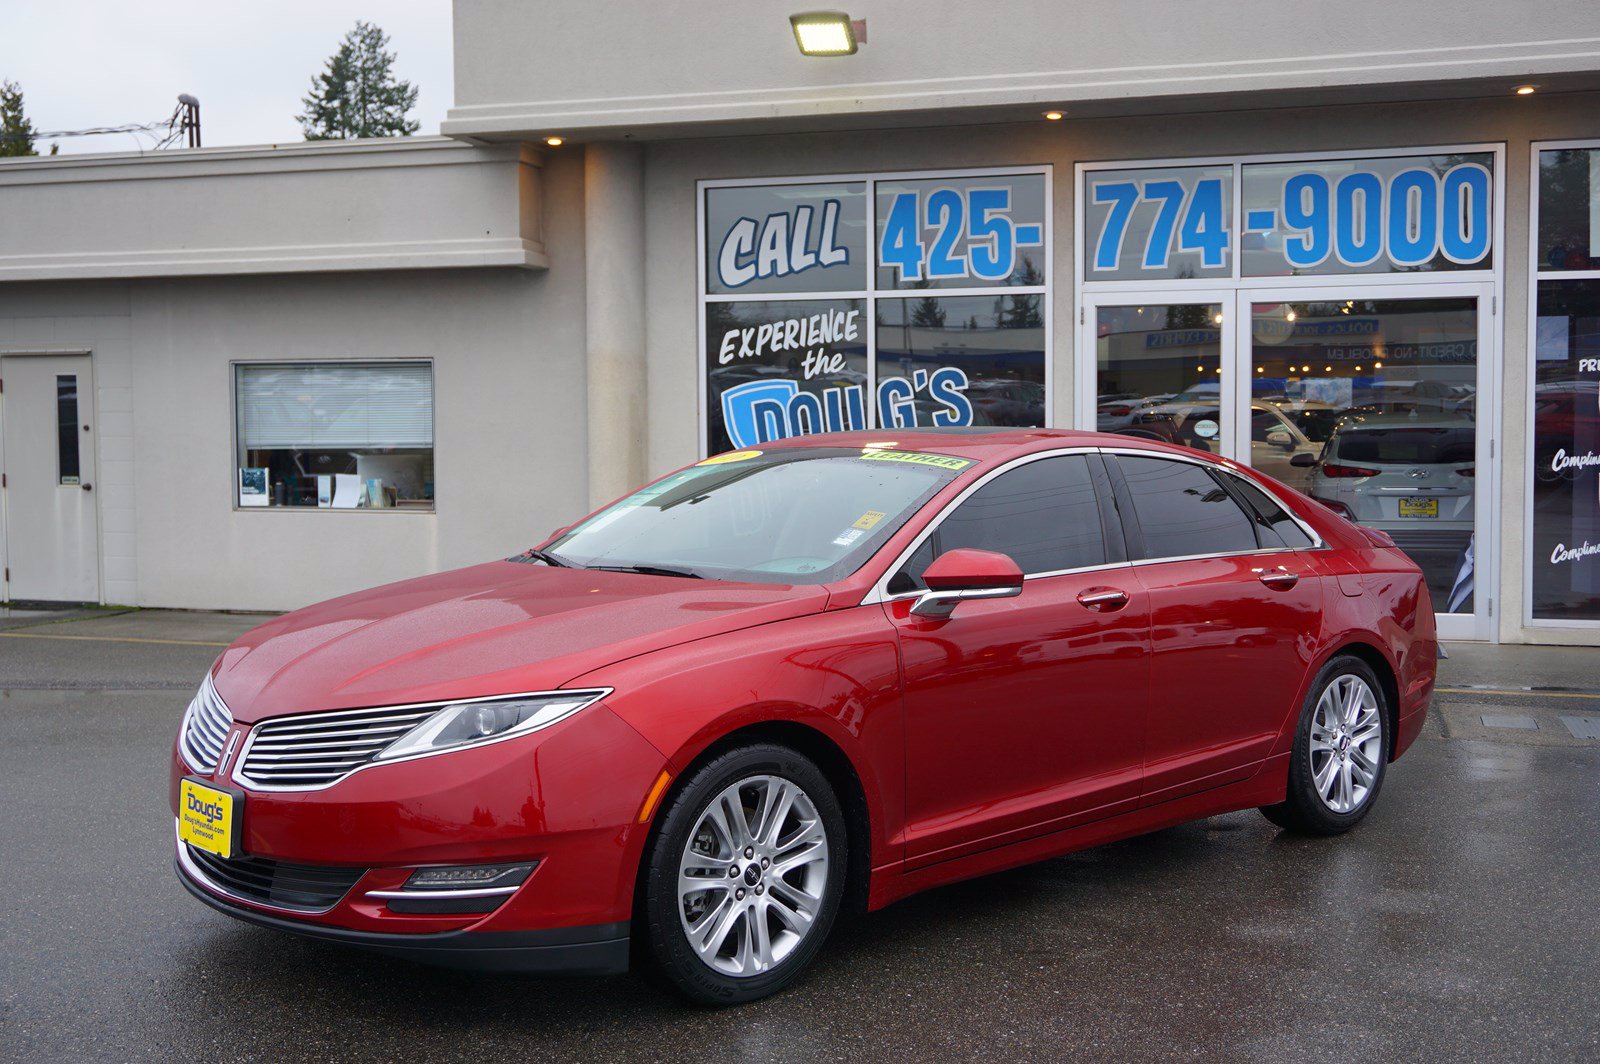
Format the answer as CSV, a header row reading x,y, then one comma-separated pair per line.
x,y
783,244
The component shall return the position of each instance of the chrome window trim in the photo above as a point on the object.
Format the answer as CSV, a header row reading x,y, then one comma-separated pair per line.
x,y
880,587
593,695
194,872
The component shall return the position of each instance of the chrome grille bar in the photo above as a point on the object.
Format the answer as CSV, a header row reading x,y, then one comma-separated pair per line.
x,y
204,729
299,753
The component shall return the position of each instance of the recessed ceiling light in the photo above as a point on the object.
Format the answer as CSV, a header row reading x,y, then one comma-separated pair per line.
x,y
1526,90
555,142
823,33
1054,116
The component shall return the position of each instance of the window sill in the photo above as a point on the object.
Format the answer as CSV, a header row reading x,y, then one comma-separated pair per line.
x,y
427,510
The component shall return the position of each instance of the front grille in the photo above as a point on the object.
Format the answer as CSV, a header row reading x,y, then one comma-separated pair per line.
x,y
205,728
304,888
302,753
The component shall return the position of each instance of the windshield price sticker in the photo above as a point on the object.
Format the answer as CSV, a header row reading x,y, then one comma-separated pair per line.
x,y
938,461
1377,215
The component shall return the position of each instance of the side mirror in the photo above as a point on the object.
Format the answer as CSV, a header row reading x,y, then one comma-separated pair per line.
x,y
1281,440
962,574
1303,460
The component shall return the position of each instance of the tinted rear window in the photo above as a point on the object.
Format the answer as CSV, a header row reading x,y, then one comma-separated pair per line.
x,y
1276,524
1183,511
1420,445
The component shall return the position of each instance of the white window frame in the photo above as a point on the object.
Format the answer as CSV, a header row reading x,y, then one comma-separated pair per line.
x,y
233,434
1534,277
1236,292
872,292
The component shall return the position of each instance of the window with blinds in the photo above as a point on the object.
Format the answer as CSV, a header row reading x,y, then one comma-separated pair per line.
x,y
345,435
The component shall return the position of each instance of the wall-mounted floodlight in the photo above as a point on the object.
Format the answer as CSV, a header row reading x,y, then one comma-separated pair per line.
x,y
823,33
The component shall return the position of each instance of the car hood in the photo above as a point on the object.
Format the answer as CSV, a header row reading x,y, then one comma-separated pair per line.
x,y
498,628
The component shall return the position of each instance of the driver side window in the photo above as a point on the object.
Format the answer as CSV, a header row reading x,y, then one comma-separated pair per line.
x,y
1043,515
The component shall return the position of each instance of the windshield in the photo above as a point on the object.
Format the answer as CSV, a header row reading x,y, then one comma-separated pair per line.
x,y
789,516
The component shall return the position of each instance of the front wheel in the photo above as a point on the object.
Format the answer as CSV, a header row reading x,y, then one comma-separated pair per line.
x,y
744,878
1340,752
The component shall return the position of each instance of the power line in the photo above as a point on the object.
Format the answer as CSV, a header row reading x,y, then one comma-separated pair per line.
x,y
184,121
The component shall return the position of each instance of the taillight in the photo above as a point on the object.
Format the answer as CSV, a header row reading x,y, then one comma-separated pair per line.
x,y
1470,471
1329,469
1119,411
1337,507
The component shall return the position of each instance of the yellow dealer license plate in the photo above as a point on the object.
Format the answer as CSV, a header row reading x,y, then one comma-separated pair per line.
x,y
208,818
1419,507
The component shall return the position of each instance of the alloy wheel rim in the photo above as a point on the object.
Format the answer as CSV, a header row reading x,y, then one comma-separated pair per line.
x,y
752,876
1346,744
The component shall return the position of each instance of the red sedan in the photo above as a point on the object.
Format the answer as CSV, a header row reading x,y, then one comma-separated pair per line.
x,y
827,673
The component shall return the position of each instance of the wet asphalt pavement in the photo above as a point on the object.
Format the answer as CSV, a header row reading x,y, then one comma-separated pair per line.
x,y
1458,922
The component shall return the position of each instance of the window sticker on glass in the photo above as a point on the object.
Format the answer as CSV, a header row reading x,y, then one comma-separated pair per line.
x,y
1159,222
868,519
731,456
940,461
961,232
847,537
1375,215
807,237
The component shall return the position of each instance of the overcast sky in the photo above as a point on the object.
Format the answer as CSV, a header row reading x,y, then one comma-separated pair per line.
x,y
88,63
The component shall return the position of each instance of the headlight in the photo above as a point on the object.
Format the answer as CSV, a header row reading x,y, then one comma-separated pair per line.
x,y
458,725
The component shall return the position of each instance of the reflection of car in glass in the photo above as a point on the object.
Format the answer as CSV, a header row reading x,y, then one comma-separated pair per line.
x,y
1017,403
1410,475
1114,415
1566,418
1278,434
787,682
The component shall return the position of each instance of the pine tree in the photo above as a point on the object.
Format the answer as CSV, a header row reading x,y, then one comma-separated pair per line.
x,y
358,94
16,131
928,314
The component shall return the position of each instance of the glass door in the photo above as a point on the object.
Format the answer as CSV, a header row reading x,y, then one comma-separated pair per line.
x,y
1159,367
1377,402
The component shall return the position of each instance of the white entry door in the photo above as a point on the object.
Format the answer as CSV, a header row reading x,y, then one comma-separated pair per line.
x,y
52,536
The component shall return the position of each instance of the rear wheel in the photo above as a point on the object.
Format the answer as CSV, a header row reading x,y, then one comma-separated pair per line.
x,y
744,877
1340,752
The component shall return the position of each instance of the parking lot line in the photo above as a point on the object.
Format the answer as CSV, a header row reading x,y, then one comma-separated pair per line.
x,y
112,639
1515,692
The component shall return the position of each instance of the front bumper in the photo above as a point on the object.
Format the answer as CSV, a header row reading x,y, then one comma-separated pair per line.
x,y
567,801
598,949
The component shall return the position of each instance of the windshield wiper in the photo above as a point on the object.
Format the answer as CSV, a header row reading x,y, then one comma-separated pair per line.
x,y
648,570
534,554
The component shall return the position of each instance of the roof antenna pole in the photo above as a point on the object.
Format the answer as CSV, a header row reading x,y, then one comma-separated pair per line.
x,y
191,118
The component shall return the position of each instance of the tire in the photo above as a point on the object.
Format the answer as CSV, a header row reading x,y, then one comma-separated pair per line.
x,y
1337,766
757,928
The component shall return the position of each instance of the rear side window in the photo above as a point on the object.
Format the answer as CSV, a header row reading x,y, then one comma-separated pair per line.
x,y
1183,511
1043,515
1420,445
1277,527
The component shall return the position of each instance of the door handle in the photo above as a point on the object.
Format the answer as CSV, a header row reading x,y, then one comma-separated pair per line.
x,y
1280,578
87,487
1103,599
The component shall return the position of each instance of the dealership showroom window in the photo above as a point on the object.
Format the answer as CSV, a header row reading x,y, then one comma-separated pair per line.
x,y
337,435
1564,489
944,322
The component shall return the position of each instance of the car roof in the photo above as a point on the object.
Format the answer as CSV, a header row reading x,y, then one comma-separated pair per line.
x,y
979,442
